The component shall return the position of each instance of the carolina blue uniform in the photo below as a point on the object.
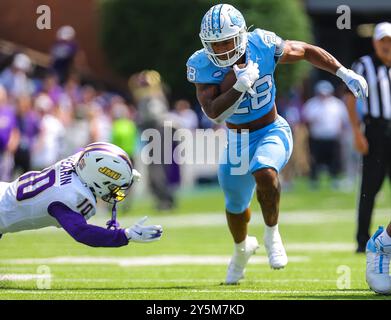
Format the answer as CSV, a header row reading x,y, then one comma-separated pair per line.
x,y
269,147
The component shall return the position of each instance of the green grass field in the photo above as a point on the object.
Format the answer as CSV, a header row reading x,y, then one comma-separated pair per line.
x,y
191,259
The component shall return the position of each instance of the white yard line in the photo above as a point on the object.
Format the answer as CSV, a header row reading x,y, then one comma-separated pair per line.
x,y
195,281
161,260
23,277
28,277
320,246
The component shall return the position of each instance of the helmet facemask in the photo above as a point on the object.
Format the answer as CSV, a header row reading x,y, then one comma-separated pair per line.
x,y
240,44
118,193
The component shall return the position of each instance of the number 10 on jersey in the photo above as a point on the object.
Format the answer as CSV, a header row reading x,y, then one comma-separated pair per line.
x,y
35,182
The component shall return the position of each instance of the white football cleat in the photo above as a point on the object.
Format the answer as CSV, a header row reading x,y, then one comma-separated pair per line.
x,y
275,251
237,265
378,263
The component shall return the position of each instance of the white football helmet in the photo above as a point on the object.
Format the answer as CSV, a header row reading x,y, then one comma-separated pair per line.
x,y
107,170
223,22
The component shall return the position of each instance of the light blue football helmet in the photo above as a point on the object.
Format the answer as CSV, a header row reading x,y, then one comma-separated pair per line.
x,y
223,22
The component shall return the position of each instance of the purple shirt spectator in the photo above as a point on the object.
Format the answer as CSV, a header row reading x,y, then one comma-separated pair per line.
x,y
55,93
7,124
29,125
63,53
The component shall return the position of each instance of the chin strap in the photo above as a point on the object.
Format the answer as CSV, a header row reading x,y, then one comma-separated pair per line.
x,y
113,223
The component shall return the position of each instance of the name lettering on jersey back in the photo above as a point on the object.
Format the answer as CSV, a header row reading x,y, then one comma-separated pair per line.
x,y
66,169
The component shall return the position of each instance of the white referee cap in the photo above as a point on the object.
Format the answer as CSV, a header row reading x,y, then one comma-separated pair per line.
x,y
382,30
324,87
66,33
22,62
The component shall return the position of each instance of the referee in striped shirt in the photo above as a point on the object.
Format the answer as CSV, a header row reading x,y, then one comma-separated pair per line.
x,y
374,112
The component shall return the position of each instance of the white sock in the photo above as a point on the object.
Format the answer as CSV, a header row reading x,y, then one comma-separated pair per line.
x,y
385,238
271,232
240,247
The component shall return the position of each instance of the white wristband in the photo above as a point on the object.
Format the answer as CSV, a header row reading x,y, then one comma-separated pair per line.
x,y
239,86
342,73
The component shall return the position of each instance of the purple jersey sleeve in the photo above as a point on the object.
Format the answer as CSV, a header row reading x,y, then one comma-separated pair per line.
x,y
94,236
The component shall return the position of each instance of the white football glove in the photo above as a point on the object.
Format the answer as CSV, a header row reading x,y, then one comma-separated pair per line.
x,y
140,233
356,83
246,77
136,175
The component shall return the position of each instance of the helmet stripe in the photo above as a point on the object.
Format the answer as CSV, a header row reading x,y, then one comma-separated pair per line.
x,y
220,7
109,146
105,147
214,20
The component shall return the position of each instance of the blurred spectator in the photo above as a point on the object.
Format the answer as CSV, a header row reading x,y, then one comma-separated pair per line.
x,y
152,105
183,116
15,79
49,145
28,124
100,124
124,133
52,87
72,88
124,130
326,117
100,118
350,160
65,53
9,136
80,122
68,100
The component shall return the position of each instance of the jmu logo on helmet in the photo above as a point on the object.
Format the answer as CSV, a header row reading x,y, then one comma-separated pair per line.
x,y
110,173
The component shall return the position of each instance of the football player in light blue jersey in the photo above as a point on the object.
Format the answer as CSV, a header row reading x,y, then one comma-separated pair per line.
x,y
248,110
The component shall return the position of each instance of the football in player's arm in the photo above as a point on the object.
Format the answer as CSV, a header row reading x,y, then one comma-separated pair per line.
x,y
64,195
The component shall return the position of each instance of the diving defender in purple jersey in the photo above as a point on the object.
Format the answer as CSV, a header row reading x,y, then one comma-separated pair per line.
x,y
64,195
